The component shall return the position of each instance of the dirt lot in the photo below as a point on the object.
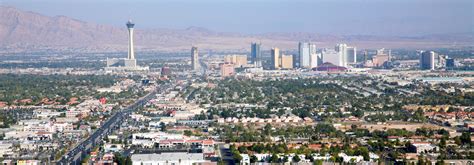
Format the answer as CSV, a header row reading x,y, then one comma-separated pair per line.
x,y
401,125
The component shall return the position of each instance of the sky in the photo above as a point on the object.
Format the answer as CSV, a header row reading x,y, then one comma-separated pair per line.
x,y
337,17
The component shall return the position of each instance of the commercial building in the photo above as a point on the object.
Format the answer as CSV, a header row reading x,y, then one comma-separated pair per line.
x,y
333,57
195,59
329,67
380,58
305,51
165,71
236,60
427,60
256,54
286,61
351,57
348,54
341,49
227,70
315,60
276,62
181,158
450,63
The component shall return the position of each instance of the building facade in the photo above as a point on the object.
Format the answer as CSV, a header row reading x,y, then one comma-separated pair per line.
x,y
256,54
380,58
286,61
304,53
351,55
177,158
332,56
227,70
427,60
237,60
341,49
275,58
195,59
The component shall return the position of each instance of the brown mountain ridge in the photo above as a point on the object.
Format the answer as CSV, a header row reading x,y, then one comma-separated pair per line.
x,y
25,29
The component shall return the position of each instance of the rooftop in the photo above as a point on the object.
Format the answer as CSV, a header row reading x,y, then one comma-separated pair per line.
x,y
168,156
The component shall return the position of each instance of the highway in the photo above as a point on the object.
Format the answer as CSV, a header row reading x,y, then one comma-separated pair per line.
x,y
75,155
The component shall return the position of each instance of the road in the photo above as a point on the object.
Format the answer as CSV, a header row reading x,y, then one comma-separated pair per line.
x,y
225,154
75,155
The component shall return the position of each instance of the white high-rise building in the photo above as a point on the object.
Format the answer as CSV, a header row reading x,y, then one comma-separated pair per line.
x,y
195,59
342,50
306,51
332,56
314,60
313,56
304,55
276,61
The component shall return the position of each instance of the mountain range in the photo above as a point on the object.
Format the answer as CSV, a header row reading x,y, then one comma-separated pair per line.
x,y
23,29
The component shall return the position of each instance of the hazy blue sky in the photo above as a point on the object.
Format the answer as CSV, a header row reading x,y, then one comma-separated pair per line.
x,y
373,17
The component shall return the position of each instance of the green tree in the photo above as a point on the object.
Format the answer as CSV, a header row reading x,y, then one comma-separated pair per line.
x,y
242,149
363,151
296,159
318,162
253,159
128,161
188,133
267,129
309,157
237,157
162,127
465,138
442,143
118,158
440,162
274,158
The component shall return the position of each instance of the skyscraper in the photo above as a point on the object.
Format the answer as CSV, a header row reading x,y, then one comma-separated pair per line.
x,y
304,55
450,63
195,58
276,62
380,58
286,61
351,55
313,56
342,50
332,56
314,60
237,60
427,60
256,54
366,56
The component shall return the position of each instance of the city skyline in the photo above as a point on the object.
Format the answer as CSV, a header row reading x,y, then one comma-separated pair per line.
x,y
353,17
209,82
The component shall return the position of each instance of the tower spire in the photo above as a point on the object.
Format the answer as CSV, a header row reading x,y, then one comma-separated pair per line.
x,y
131,53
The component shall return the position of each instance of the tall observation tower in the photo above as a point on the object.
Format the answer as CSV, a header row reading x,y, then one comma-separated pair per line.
x,y
131,54
129,63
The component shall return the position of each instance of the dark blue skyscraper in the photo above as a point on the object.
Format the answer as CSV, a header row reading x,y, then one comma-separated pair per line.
x,y
450,63
427,60
256,54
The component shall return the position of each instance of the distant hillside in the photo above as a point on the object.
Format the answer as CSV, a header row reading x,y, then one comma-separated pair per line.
x,y
21,29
